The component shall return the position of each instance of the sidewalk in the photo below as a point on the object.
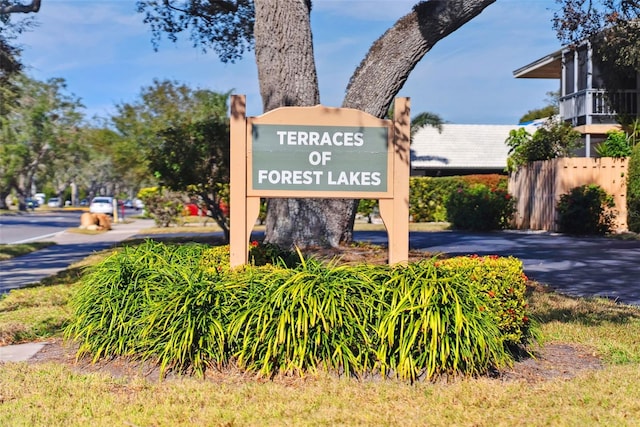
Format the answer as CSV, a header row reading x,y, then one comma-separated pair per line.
x,y
70,247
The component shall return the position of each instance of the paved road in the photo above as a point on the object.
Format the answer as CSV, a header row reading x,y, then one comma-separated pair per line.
x,y
27,226
579,266
71,247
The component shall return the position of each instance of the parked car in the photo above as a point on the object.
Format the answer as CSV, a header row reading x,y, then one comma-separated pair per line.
x,y
138,204
102,204
40,198
54,202
84,202
31,203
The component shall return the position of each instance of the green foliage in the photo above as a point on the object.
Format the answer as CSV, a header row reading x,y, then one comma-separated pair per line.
x,y
227,28
616,145
586,209
428,196
491,180
479,207
632,128
366,207
554,139
424,119
539,113
269,253
610,25
302,319
163,205
633,191
38,132
551,109
182,305
435,322
183,134
502,284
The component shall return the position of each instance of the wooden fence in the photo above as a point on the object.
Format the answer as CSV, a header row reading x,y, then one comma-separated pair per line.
x,y
538,186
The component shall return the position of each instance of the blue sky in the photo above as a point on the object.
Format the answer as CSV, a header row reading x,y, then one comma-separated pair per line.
x,y
104,52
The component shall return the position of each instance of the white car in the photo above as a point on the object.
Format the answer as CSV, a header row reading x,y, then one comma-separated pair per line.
x,y
54,202
102,204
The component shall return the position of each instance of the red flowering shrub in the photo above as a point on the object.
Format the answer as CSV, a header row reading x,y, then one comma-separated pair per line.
x,y
502,283
492,180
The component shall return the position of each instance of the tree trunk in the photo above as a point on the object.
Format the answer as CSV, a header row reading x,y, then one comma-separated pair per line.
x,y
287,73
34,7
288,77
3,199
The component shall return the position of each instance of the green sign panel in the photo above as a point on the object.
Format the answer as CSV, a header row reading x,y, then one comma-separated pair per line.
x,y
319,158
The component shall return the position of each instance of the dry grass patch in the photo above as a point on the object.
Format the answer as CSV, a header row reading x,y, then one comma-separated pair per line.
x,y
52,394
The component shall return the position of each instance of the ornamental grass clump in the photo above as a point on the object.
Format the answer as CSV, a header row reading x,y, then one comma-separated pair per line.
x,y
301,319
433,324
184,308
153,301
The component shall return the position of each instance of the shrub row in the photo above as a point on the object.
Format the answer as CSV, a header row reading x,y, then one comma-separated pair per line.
x,y
428,196
182,307
479,207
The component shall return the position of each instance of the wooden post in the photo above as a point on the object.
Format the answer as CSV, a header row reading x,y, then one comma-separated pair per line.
x,y
395,212
238,235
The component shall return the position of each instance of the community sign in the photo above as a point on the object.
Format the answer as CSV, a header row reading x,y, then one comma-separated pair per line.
x,y
319,152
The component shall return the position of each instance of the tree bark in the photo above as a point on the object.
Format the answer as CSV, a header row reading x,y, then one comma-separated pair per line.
x,y
287,73
288,77
34,6
3,199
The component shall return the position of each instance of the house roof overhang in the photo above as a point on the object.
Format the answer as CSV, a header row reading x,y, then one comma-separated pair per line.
x,y
548,67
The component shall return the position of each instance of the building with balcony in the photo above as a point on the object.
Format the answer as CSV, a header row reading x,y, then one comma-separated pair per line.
x,y
584,99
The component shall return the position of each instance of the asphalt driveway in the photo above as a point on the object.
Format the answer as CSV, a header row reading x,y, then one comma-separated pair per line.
x,y
579,266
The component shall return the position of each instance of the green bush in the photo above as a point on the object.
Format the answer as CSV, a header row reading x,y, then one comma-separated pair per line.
x,y
479,207
586,209
428,196
616,145
366,207
164,206
183,307
553,139
633,191
502,283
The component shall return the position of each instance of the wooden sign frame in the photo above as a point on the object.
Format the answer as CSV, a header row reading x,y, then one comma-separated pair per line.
x,y
393,200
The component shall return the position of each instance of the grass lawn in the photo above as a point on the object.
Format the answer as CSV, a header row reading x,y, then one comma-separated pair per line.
x,y
52,393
